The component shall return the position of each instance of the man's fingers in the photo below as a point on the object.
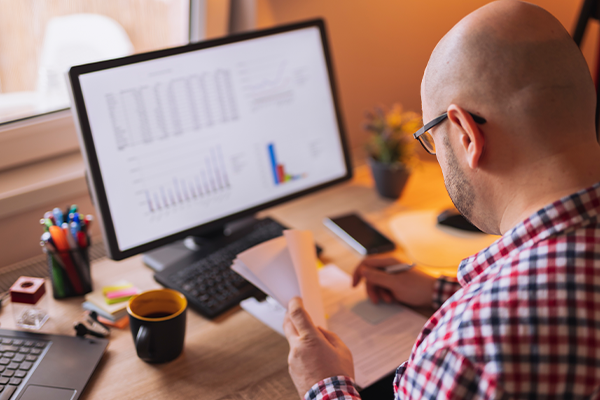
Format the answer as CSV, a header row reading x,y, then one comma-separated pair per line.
x,y
330,336
370,263
379,278
379,262
372,293
356,275
289,329
385,295
300,318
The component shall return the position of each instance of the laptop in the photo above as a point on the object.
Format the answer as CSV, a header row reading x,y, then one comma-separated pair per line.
x,y
36,366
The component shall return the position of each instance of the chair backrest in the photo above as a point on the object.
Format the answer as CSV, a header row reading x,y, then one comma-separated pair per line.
x,y
77,39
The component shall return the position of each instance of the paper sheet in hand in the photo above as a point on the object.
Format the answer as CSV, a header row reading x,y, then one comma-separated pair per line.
x,y
283,268
380,337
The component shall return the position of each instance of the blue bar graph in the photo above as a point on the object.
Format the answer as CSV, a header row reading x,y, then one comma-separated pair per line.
x,y
273,162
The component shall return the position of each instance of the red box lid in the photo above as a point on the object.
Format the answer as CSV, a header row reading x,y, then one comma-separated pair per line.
x,y
27,290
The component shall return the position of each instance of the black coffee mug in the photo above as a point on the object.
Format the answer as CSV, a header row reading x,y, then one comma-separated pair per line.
x,y
157,320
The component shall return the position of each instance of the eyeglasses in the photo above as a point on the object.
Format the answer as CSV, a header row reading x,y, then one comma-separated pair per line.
x,y
424,136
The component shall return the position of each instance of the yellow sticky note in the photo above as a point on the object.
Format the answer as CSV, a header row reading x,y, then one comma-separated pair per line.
x,y
116,288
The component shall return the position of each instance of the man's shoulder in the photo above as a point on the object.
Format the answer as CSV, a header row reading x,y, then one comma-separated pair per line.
x,y
527,305
572,246
540,267
528,281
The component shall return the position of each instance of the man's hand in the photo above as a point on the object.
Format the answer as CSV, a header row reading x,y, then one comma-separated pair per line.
x,y
412,287
315,353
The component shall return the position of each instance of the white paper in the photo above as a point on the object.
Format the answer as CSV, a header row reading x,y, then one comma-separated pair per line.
x,y
241,268
301,246
377,348
269,313
283,268
270,263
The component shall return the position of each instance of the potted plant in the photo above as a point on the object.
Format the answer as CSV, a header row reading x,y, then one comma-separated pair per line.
x,y
391,147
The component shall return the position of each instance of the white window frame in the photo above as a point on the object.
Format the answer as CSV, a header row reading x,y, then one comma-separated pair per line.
x,y
37,138
50,135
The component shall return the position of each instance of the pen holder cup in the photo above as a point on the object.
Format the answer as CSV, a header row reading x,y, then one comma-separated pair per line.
x,y
69,272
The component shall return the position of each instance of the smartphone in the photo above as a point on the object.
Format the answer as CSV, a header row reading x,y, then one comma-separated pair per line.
x,y
359,234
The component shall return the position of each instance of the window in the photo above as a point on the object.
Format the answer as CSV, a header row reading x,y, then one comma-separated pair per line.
x,y
39,40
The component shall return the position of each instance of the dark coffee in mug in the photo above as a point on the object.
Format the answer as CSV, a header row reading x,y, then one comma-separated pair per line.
x,y
157,315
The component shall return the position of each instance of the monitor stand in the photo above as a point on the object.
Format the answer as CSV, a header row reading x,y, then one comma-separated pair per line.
x,y
170,254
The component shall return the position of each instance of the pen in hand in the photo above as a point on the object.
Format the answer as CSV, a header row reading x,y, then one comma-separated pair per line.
x,y
396,268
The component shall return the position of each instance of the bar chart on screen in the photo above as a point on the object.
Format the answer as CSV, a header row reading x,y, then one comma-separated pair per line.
x,y
278,169
179,179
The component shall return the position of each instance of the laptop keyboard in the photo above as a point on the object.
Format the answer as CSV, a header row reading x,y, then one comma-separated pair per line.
x,y
17,359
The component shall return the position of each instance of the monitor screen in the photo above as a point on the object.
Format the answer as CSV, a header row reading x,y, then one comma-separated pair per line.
x,y
186,138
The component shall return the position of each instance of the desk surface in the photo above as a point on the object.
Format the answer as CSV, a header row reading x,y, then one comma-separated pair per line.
x,y
235,356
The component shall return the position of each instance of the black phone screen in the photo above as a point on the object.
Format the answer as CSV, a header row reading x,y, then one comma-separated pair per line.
x,y
354,228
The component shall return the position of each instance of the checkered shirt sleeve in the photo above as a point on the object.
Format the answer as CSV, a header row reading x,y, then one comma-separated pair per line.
x,y
337,387
450,375
443,288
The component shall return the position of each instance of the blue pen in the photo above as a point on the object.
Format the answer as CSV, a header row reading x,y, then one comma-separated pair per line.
x,y
74,229
58,216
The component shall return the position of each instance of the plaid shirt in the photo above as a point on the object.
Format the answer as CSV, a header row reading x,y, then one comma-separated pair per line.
x,y
525,322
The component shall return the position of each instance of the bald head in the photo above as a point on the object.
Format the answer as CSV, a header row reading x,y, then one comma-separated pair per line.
x,y
514,64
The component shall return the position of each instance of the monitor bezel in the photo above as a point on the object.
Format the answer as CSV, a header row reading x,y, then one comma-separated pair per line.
x,y
94,175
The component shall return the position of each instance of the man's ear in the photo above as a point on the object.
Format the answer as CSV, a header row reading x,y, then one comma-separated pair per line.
x,y
471,139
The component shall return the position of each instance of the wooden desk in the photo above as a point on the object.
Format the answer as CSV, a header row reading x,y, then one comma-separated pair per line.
x,y
235,356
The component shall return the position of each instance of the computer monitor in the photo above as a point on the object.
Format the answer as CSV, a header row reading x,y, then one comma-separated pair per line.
x,y
181,141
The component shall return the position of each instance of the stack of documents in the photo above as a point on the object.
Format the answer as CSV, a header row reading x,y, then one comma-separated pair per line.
x,y
283,268
380,336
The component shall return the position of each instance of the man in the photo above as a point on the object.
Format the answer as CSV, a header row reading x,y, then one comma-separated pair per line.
x,y
517,146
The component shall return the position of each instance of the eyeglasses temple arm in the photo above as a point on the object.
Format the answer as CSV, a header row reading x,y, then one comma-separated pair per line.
x,y
430,125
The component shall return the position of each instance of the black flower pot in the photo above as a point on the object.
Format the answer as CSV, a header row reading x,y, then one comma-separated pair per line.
x,y
389,179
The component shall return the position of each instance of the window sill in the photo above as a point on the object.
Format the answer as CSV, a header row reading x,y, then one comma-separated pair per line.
x,y
38,138
42,183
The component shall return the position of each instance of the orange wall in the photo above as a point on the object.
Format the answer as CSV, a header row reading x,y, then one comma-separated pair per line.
x,y
381,47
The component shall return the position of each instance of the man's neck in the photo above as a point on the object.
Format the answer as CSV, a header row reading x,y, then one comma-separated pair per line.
x,y
549,179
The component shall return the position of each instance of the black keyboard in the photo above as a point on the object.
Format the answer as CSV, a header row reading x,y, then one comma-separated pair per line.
x,y
209,284
18,358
